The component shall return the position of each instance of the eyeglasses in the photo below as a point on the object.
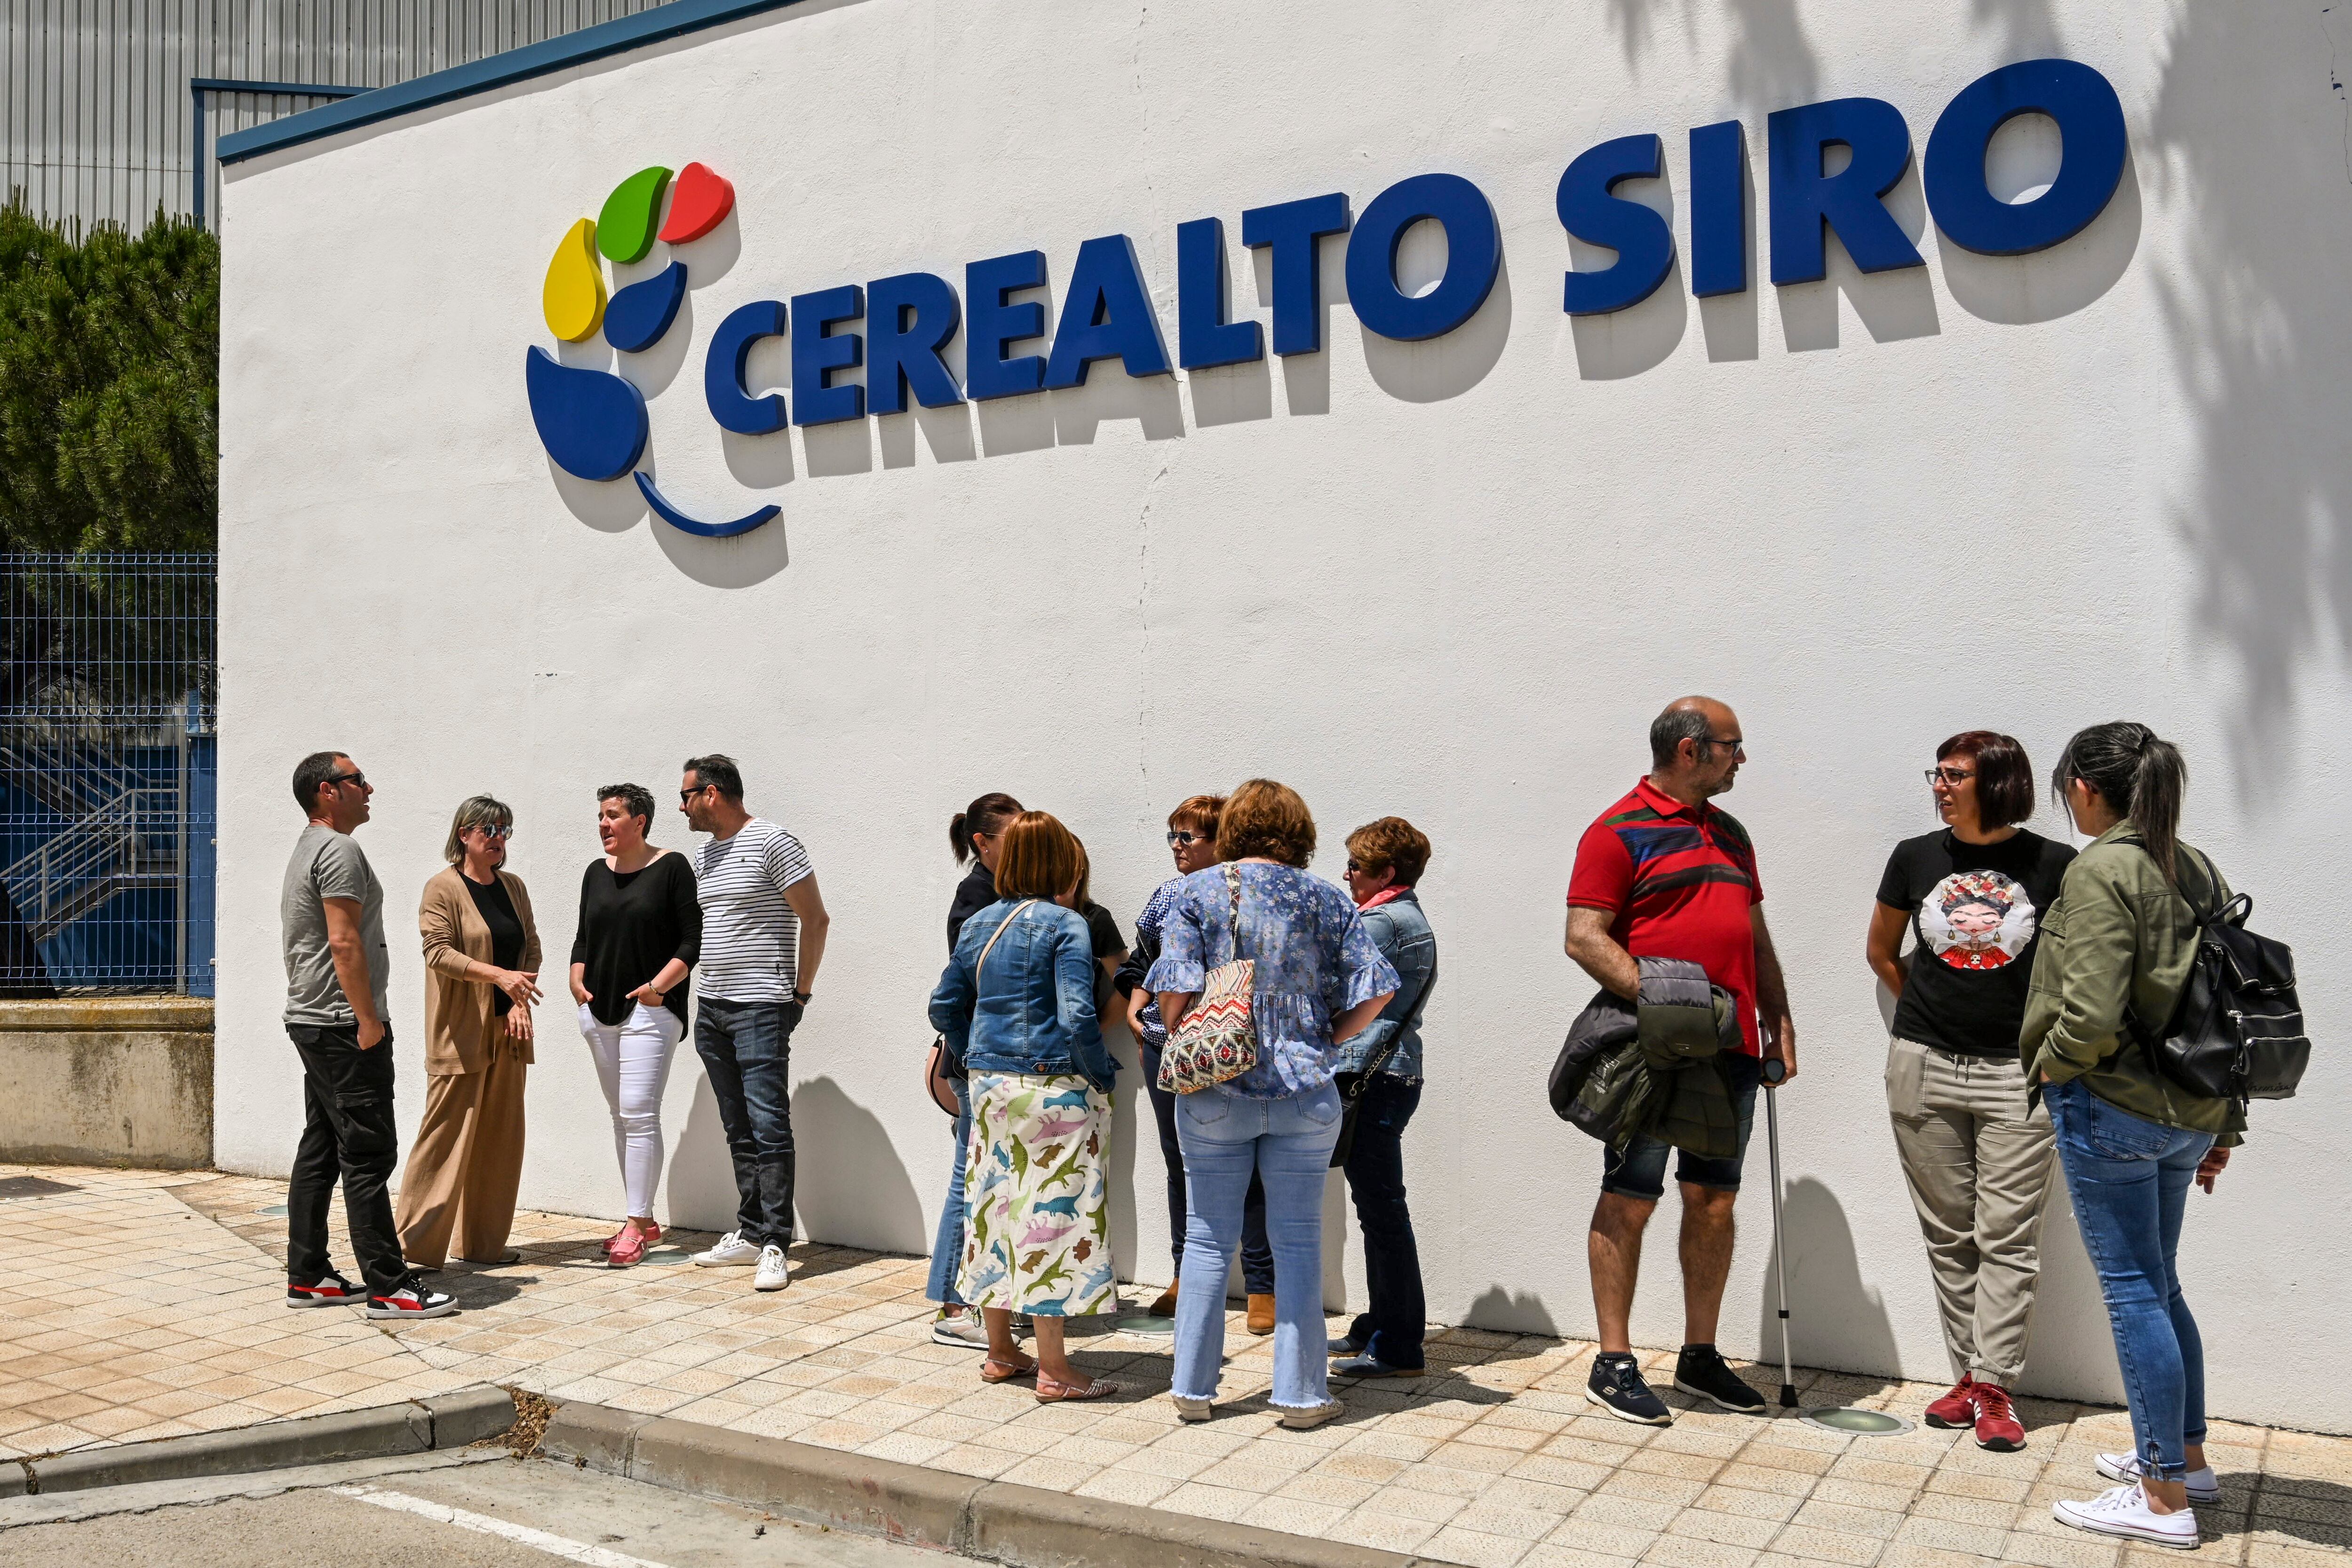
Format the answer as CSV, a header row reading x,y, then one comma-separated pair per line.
x,y
1736,743
494,830
1355,868
1176,839
358,778
1951,776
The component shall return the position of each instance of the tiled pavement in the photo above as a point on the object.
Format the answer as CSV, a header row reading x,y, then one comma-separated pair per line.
x,y
140,1304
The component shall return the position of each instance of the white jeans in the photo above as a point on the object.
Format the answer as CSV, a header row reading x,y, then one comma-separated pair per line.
x,y
633,1063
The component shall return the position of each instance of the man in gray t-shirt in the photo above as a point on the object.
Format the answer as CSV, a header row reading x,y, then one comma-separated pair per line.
x,y
331,908
328,864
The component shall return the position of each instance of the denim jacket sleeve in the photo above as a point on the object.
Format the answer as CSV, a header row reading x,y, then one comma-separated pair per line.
x,y
1073,984
951,1004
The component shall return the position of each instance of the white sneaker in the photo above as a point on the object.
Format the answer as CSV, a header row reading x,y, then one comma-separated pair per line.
x,y
1311,1416
2122,1510
964,1330
732,1253
2204,1486
1192,1409
775,1273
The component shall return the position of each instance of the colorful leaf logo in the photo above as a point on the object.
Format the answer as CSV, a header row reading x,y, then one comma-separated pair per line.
x,y
701,203
573,294
624,229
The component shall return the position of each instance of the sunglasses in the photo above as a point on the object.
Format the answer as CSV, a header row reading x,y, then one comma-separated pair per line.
x,y
493,830
1176,839
686,795
358,778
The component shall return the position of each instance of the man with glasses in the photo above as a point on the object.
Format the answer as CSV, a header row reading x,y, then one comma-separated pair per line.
x,y
331,907
763,930
1663,874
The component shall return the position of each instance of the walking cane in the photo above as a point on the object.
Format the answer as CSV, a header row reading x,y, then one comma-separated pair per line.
x,y
1775,1069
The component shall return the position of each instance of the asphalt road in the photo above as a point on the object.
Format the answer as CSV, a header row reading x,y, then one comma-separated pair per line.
x,y
502,1513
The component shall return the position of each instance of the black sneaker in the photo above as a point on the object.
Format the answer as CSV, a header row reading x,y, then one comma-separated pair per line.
x,y
1617,1388
1345,1344
329,1290
1700,1371
412,1300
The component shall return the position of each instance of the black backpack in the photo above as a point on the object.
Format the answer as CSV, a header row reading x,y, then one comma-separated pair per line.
x,y
2237,1031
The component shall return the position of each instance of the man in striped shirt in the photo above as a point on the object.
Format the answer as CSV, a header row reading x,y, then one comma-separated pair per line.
x,y
763,928
1666,873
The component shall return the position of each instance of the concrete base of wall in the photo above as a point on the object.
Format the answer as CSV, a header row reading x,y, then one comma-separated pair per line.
x,y
108,1080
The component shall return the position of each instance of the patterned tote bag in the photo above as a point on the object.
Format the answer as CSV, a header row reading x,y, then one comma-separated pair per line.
x,y
1218,1039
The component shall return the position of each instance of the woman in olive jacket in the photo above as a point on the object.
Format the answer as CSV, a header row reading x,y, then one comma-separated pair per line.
x,y
2115,952
481,977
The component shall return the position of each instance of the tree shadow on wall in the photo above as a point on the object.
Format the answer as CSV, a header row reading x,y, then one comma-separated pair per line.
x,y
2252,126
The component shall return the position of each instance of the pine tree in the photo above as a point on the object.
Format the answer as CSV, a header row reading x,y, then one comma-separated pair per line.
x,y
109,368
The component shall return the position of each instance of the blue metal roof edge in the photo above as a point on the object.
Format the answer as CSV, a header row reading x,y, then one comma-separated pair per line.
x,y
613,37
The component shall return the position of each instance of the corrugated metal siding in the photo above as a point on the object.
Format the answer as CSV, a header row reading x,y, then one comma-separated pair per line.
x,y
95,115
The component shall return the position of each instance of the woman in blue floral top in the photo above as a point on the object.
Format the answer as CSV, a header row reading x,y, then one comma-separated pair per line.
x,y
1318,980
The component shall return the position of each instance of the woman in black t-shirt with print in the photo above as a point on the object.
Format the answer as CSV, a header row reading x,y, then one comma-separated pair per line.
x,y
1976,1155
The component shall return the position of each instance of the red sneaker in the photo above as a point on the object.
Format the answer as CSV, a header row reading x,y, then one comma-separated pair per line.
x,y
1956,1409
1998,1427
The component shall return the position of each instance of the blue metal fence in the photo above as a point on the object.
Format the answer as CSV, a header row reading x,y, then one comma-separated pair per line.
x,y
109,766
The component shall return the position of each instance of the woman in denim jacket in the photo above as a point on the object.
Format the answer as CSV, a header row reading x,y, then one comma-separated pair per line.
x,y
1319,980
1385,860
1017,1007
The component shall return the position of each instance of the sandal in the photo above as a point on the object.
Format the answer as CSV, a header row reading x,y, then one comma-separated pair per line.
x,y
1051,1392
996,1371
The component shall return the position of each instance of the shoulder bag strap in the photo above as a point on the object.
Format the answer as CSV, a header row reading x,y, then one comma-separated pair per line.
x,y
1381,1059
1234,886
984,952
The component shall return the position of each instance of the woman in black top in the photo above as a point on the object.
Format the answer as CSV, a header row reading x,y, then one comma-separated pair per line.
x,y
974,834
640,931
1976,1155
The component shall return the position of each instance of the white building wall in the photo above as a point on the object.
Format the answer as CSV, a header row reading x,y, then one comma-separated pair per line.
x,y
1452,579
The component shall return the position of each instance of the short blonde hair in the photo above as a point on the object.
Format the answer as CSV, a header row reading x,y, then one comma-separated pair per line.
x,y
1039,859
1264,817
475,812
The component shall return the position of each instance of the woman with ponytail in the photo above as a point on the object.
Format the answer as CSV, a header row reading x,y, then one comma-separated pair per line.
x,y
976,833
2113,957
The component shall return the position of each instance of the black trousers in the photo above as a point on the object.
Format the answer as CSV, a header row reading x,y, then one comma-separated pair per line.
x,y
1392,1327
347,1132
1257,1252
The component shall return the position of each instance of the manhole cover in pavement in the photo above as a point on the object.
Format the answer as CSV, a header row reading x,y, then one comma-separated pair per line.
x,y
32,1186
1856,1423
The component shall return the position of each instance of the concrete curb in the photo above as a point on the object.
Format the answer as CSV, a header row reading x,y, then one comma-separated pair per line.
x,y
997,1521
449,1420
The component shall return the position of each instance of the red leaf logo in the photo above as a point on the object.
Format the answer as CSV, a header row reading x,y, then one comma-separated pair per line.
x,y
700,200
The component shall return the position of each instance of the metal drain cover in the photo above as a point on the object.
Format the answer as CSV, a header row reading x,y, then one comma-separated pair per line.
x,y
1853,1422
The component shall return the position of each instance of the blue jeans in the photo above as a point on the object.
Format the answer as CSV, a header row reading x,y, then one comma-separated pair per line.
x,y
946,1247
1288,1144
1392,1323
1257,1257
2129,1179
747,1049
1641,1170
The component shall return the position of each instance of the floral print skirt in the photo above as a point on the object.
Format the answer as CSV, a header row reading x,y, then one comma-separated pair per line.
x,y
1037,1238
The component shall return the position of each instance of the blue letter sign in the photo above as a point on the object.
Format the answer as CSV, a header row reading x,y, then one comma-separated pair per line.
x,y
1473,252
911,317
1591,212
1107,314
2091,140
1292,228
1805,200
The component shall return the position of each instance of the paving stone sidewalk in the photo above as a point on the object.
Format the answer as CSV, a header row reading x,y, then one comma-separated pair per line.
x,y
142,1304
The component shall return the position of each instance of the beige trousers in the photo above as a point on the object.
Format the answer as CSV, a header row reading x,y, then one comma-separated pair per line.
x,y
466,1164
1978,1164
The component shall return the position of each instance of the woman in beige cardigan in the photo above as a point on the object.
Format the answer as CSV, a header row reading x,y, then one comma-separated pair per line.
x,y
481,977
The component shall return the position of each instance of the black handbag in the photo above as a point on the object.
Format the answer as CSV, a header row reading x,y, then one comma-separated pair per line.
x,y
1353,1084
2237,1031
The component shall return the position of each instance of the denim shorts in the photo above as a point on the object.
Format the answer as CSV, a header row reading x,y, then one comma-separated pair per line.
x,y
1640,1171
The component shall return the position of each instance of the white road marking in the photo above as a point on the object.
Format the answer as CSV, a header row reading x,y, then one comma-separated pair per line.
x,y
482,1524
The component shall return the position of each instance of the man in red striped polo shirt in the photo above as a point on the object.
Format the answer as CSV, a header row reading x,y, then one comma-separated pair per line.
x,y
1663,874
